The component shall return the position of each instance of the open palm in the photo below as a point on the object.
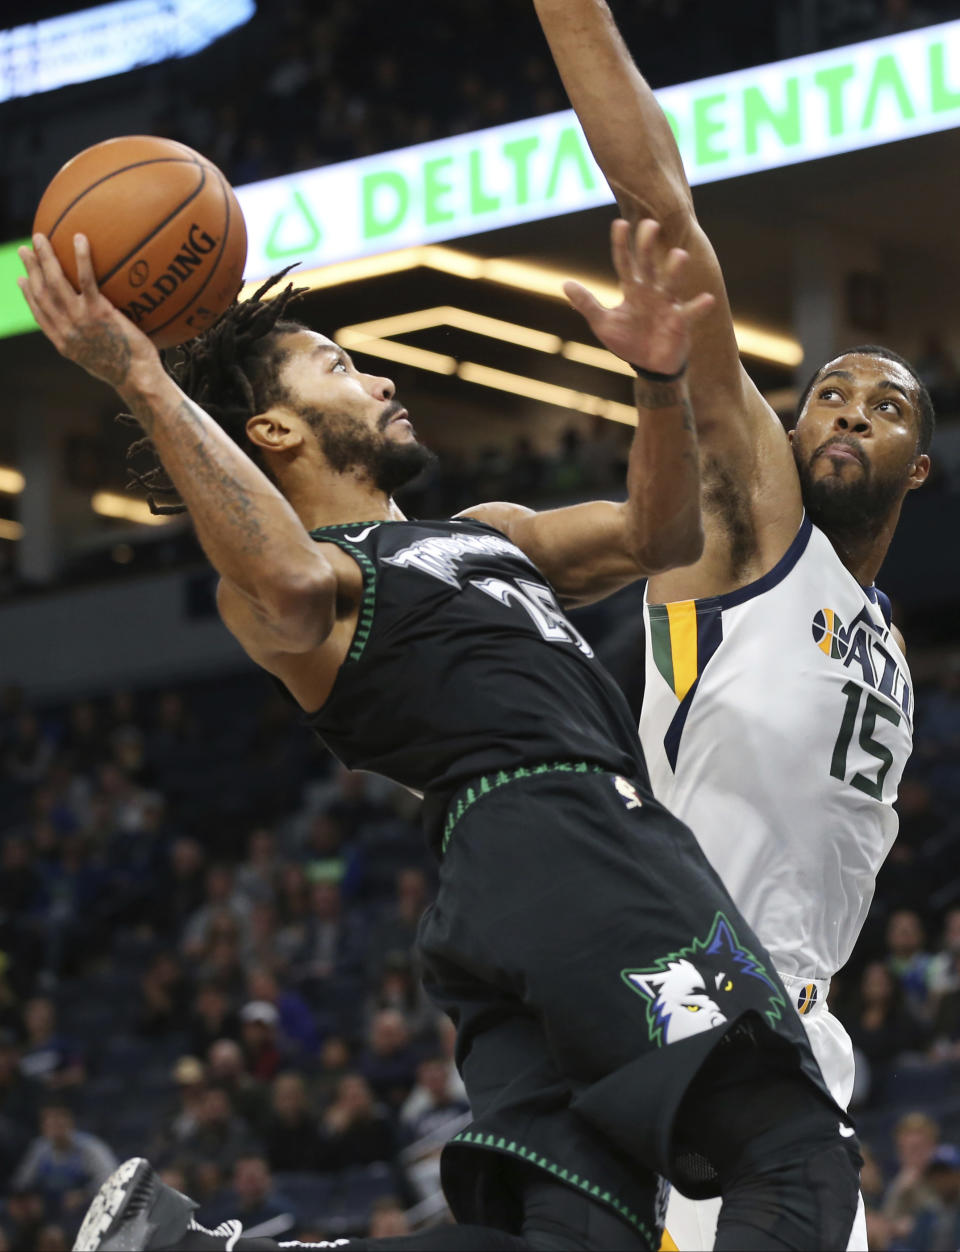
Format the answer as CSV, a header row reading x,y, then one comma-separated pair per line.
x,y
651,327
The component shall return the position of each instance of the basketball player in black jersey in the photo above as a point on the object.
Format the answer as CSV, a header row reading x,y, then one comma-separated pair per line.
x,y
617,1020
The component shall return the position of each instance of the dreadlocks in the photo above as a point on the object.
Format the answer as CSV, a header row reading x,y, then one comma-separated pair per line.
x,y
231,372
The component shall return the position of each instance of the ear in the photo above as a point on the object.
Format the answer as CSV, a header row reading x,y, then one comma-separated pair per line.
x,y
920,472
274,431
648,984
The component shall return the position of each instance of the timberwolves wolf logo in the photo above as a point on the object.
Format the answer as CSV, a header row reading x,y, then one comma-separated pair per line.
x,y
702,986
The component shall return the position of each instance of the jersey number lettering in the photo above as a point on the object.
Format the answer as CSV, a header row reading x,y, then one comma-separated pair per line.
x,y
872,709
539,604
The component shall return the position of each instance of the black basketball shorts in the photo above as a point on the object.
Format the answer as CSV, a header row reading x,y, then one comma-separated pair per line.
x,y
592,961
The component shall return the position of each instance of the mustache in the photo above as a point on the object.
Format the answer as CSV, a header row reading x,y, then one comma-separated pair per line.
x,y
854,445
393,407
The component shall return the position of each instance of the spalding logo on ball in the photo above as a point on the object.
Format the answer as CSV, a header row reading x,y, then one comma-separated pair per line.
x,y
167,237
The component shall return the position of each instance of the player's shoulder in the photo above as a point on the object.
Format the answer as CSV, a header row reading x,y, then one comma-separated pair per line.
x,y
500,514
898,636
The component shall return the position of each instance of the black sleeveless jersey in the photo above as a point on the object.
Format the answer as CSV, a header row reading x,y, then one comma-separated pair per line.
x,y
463,664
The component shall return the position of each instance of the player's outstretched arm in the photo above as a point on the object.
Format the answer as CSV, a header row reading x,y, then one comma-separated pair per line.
x,y
634,146
590,550
252,536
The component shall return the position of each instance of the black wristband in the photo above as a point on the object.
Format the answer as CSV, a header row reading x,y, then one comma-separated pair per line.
x,y
651,376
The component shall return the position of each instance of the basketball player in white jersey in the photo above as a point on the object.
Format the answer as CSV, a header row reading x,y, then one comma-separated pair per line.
x,y
777,710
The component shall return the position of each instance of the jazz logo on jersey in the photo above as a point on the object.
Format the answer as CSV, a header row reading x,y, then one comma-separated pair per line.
x,y
629,792
704,985
862,647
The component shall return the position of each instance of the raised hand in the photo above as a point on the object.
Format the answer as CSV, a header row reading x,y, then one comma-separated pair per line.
x,y
83,326
651,327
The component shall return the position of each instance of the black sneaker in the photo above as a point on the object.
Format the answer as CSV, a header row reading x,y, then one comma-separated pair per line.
x,y
134,1211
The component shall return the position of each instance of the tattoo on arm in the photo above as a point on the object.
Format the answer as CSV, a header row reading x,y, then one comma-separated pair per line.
x,y
213,482
102,350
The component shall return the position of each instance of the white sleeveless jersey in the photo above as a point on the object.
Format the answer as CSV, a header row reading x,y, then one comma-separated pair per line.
x,y
776,722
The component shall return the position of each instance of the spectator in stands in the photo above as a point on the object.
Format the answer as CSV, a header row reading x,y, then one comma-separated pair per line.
x,y
915,1138
388,1220
328,858
872,1187
183,891
227,1068
297,1027
431,1105
258,878
259,1022
946,1018
291,1134
398,930
48,1056
184,1120
335,1061
222,961
936,1227
355,1130
294,912
401,989
262,947
944,974
52,1238
220,1137
881,1028
251,1197
355,805
333,940
65,1164
389,1061
29,753
82,743
20,1099
163,996
908,961
21,885
222,898
908,876
24,1214
212,1018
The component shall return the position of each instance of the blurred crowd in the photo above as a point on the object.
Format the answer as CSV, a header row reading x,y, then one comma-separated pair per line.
x,y
206,956
340,85
302,86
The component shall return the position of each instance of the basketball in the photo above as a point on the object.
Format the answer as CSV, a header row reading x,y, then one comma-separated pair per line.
x,y
167,236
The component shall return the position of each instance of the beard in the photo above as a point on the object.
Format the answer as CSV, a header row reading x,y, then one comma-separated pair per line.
x,y
857,508
351,447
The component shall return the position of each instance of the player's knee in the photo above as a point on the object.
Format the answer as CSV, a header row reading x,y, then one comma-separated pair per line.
x,y
807,1202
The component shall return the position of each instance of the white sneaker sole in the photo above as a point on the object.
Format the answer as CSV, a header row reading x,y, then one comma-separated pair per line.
x,y
108,1204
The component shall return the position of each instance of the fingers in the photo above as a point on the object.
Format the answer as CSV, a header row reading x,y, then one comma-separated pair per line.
x,y
51,272
85,274
583,301
672,268
645,242
38,316
696,309
34,289
620,251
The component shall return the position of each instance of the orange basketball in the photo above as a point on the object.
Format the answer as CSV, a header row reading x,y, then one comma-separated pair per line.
x,y
167,236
